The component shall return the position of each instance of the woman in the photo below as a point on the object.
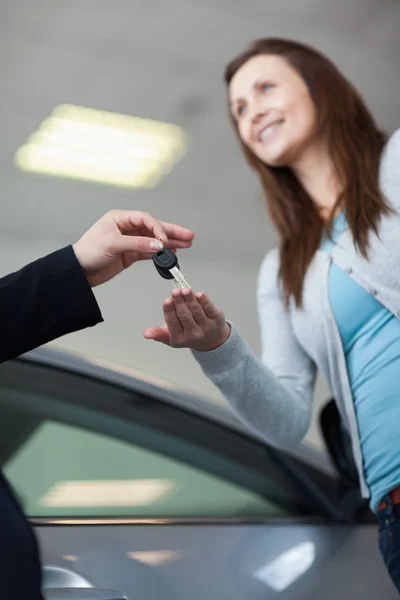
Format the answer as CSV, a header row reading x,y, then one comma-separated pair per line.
x,y
329,296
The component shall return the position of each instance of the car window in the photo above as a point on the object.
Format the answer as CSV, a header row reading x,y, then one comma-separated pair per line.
x,y
75,447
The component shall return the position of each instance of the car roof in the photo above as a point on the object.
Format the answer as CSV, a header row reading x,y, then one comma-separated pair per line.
x,y
164,391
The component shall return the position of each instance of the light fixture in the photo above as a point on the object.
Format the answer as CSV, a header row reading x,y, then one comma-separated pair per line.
x,y
103,147
154,558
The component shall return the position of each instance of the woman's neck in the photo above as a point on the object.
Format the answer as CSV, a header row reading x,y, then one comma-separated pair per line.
x,y
317,175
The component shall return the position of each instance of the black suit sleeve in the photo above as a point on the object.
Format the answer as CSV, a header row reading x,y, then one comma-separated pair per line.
x,y
43,301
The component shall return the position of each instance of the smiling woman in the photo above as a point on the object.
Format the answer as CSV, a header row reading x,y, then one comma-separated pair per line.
x,y
274,114
292,110
329,295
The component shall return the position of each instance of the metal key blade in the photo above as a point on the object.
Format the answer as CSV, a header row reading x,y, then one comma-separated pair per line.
x,y
179,281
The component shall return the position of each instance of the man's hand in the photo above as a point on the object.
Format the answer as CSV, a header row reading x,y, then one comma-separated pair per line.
x,y
122,237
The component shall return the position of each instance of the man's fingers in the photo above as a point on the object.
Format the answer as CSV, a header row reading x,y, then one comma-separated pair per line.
x,y
155,227
158,334
131,220
175,243
177,233
141,245
171,243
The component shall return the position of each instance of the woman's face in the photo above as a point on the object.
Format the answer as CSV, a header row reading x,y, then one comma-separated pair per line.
x,y
275,114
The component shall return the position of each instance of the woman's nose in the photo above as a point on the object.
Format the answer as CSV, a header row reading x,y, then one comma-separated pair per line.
x,y
257,116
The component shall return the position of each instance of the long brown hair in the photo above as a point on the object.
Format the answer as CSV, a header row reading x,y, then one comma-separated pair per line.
x,y
355,145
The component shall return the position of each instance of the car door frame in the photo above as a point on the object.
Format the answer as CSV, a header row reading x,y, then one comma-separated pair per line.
x,y
142,402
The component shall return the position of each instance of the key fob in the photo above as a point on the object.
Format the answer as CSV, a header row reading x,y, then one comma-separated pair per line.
x,y
164,260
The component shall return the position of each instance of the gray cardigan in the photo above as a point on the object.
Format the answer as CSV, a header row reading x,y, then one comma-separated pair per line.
x,y
274,395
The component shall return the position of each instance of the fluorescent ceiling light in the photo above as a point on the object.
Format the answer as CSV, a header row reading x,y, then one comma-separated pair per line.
x,y
155,557
108,148
135,492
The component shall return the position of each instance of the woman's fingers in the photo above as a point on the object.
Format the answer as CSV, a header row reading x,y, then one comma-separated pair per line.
x,y
158,334
212,311
184,312
195,308
191,321
171,319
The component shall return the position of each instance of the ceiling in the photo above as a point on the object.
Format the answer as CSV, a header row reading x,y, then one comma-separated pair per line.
x,y
164,60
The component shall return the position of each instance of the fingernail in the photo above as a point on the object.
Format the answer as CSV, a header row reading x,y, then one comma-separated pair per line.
x,y
156,245
187,291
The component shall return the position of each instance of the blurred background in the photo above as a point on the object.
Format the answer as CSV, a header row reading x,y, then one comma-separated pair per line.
x,y
161,61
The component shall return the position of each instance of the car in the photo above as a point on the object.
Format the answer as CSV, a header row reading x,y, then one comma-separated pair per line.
x,y
139,490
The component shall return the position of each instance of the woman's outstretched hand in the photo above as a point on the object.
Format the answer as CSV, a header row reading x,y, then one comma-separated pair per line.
x,y
191,321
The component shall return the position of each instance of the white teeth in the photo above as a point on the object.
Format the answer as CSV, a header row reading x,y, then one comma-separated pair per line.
x,y
267,131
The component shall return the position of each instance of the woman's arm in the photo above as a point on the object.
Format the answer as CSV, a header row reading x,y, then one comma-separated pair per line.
x,y
272,396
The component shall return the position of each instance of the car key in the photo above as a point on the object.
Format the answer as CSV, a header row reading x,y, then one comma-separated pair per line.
x,y
166,263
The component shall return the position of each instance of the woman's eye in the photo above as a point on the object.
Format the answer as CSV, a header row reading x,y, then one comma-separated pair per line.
x,y
240,110
266,87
